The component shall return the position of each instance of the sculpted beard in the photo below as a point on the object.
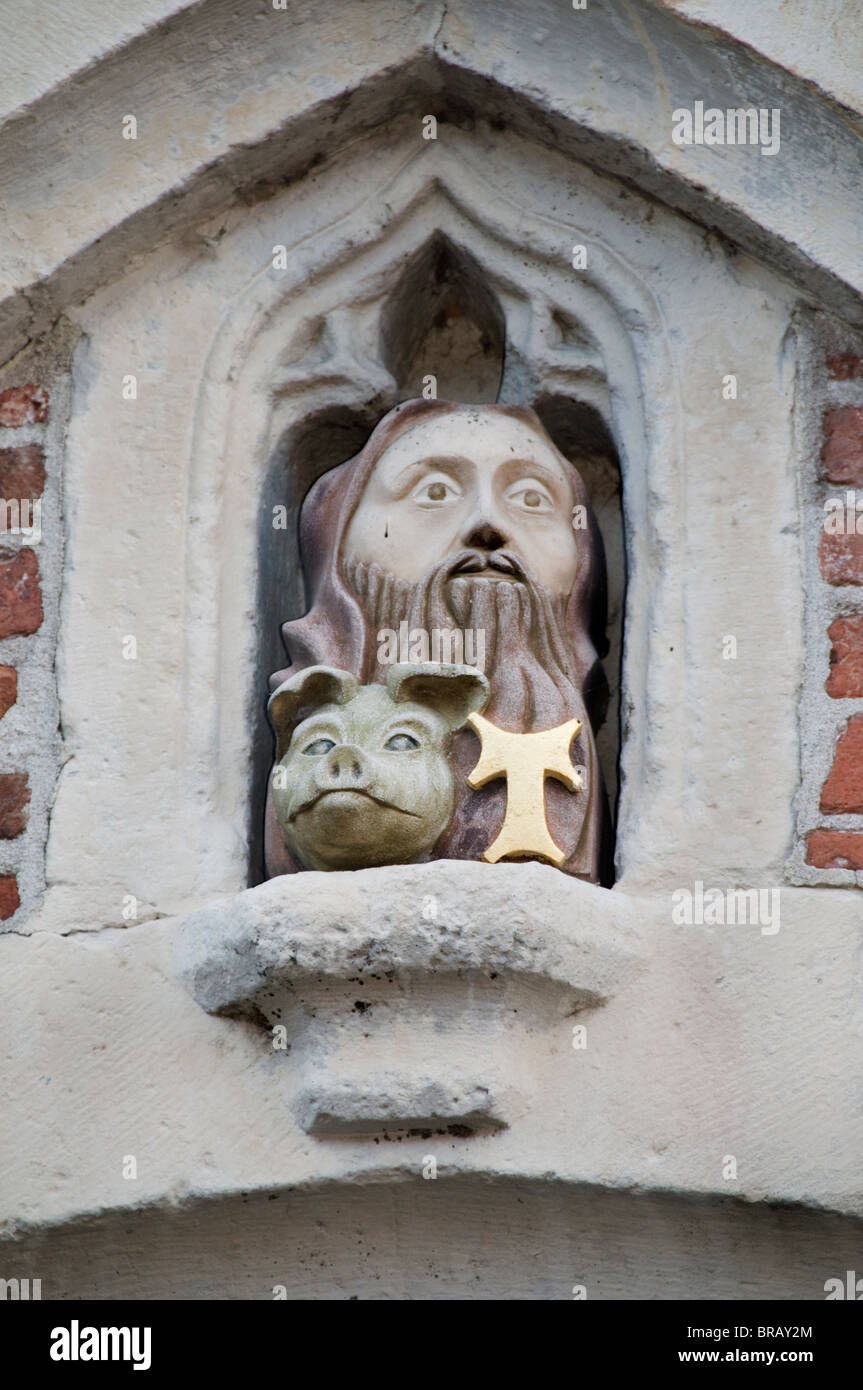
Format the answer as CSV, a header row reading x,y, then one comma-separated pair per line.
x,y
524,626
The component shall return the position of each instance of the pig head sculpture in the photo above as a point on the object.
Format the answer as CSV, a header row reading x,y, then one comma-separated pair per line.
x,y
363,774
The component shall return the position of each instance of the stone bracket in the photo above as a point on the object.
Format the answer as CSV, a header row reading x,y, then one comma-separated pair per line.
x,y
404,991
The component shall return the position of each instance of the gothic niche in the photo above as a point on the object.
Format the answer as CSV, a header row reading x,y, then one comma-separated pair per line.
x,y
445,685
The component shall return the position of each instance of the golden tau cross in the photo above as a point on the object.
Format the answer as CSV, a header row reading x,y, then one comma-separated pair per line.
x,y
525,760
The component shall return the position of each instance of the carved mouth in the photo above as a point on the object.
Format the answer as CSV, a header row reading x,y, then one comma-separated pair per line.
x,y
492,574
352,791
494,564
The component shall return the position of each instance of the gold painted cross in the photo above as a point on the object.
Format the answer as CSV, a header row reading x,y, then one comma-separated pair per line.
x,y
525,760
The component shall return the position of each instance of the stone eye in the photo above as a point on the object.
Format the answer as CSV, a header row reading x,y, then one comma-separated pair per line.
x,y
434,491
401,743
532,496
319,747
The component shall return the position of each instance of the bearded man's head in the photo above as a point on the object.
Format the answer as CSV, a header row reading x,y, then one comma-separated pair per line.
x,y
467,518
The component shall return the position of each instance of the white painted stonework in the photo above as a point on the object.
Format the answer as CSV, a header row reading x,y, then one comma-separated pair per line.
x,y
612,1097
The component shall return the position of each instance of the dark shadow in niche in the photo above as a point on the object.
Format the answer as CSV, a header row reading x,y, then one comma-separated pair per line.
x,y
441,320
314,445
580,432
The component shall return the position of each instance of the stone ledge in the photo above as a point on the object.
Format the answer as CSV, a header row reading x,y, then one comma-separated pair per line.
x,y
386,1105
404,923
409,1000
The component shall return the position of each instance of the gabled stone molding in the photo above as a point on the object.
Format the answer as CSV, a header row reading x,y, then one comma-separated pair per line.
x,y
243,353
541,71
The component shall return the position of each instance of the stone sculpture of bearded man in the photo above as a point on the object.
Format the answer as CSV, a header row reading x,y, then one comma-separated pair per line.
x,y
467,520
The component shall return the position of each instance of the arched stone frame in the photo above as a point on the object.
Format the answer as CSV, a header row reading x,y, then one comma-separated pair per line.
x,y
414,335
537,72
329,312
664,362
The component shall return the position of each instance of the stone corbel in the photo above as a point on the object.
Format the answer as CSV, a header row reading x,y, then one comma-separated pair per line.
x,y
400,998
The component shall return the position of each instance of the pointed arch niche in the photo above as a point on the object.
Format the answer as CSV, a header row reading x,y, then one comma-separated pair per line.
x,y
436,273
449,325
459,256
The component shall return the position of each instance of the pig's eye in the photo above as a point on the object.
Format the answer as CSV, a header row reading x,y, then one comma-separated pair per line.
x,y
400,743
319,747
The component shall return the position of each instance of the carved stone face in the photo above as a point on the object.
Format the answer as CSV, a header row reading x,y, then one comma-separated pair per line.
x,y
475,480
364,776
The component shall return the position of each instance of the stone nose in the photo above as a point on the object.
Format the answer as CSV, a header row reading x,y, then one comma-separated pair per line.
x,y
344,766
484,535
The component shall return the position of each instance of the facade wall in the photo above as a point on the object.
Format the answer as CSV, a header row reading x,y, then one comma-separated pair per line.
x,y
161,365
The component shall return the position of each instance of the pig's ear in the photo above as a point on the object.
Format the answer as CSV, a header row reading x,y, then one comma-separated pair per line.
x,y
299,695
453,691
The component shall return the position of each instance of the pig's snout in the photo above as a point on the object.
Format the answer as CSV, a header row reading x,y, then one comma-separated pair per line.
x,y
344,768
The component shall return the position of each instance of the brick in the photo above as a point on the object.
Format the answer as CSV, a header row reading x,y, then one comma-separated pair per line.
x,y
8,688
842,793
9,900
835,849
842,454
14,800
22,472
20,593
841,557
843,366
23,405
845,681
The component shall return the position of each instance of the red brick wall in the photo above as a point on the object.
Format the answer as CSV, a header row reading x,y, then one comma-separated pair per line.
x,y
840,560
22,479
